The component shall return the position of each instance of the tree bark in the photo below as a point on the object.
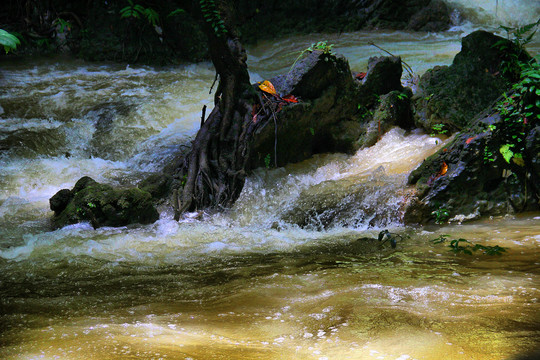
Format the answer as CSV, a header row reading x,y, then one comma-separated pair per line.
x,y
213,173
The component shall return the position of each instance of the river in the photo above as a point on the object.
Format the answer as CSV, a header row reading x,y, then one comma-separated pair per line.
x,y
246,283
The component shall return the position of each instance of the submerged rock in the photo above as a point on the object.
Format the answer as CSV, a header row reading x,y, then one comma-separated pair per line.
x,y
375,200
452,95
101,205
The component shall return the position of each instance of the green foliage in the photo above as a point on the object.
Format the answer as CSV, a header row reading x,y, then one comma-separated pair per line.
x,y
520,109
319,46
8,41
132,10
520,37
364,112
176,12
62,24
137,11
312,131
441,215
402,96
267,160
440,239
466,247
438,129
212,16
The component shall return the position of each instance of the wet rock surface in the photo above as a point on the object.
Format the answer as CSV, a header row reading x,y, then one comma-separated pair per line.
x,y
475,184
453,95
101,205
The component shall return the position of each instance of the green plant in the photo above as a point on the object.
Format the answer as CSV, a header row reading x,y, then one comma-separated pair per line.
x,y
364,112
441,215
62,24
465,246
520,112
176,12
8,41
184,180
520,37
322,46
132,10
90,204
440,239
520,108
402,96
45,43
438,129
312,131
138,11
267,160
212,17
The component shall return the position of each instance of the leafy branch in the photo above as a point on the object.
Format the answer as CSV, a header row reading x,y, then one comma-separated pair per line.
x,y
466,247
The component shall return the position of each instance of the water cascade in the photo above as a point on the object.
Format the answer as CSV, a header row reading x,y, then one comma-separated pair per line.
x,y
266,279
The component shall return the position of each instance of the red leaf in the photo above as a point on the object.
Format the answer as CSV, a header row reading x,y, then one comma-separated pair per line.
x,y
290,98
360,75
469,140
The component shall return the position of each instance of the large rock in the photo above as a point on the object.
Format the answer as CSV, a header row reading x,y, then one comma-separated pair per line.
x,y
101,205
478,181
330,116
453,95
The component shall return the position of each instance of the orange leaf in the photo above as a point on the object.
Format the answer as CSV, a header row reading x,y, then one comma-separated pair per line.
x,y
444,169
267,87
290,98
468,141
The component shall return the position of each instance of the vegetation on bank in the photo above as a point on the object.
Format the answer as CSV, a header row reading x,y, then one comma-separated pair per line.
x,y
151,32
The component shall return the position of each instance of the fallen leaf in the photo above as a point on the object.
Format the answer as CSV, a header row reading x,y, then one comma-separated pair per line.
x,y
268,87
444,169
469,140
360,75
290,98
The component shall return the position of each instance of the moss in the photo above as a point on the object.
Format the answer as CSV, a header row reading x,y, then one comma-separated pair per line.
x,y
102,205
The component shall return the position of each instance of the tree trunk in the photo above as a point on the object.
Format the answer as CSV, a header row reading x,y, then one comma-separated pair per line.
x,y
213,173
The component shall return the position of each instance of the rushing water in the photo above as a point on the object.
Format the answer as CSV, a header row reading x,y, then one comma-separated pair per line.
x,y
245,284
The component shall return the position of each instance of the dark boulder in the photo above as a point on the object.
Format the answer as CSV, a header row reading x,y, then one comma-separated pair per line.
x,y
383,75
334,111
477,182
433,17
453,95
328,95
394,110
101,205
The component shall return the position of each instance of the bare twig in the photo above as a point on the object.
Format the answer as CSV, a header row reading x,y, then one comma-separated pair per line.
x,y
407,66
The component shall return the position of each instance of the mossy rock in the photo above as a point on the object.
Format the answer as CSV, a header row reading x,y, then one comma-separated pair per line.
x,y
453,95
476,183
102,205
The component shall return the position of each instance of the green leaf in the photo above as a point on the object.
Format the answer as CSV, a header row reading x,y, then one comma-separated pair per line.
x,y
176,12
506,152
8,41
